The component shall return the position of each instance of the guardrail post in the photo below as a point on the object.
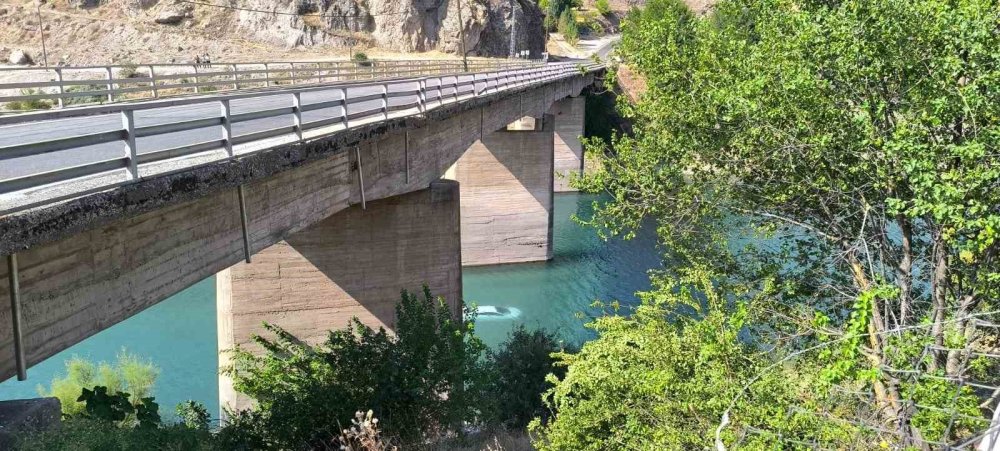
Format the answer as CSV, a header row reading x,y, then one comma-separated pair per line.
x,y
111,96
227,126
319,71
422,96
196,82
291,72
152,82
62,88
297,112
267,76
128,125
343,92
15,315
385,100
236,78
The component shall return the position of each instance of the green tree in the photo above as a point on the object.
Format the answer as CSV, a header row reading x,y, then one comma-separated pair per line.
x,y
568,26
517,377
655,380
603,7
845,150
129,374
417,381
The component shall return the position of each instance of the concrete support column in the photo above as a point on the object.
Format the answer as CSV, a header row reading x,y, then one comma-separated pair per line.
x,y
351,264
506,184
569,158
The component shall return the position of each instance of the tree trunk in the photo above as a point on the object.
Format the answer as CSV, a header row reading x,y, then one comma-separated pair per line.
x,y
904,271
938,293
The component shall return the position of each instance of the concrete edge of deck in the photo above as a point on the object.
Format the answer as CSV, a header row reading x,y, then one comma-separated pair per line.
x,y
49,223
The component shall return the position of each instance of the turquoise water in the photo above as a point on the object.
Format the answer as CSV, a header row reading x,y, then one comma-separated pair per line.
x,y
556,295
179,334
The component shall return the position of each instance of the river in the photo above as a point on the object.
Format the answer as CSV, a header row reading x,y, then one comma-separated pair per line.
x,y
179,334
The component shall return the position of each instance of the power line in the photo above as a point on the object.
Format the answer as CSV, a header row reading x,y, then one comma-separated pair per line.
x,y
339,16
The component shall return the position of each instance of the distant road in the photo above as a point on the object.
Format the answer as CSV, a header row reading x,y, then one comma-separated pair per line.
x,y
601,47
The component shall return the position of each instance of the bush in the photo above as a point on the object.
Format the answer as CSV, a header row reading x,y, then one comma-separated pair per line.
x,y
517,380
554,9
111,422
568,26
92,434
658,380
116,408
129,70
88,99
193,415
29,105
362,59
603,7
591,24
417,381
130,374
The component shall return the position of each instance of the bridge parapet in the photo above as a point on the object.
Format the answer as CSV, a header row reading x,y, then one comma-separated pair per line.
x,y
52,156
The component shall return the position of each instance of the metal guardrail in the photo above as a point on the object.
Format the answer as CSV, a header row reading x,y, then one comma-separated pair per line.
x,y
397,97
77,85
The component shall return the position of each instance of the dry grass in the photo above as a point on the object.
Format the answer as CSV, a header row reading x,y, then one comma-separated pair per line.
x,y
313,20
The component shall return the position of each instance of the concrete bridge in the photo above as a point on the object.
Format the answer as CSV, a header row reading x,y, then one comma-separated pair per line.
x,y
305,227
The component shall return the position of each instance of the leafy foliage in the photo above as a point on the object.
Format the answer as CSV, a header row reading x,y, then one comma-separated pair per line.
x,y
130,374
193,415
845,151
554,10
568,27
603,7
29,105
658,380
415,381
517,378
78,433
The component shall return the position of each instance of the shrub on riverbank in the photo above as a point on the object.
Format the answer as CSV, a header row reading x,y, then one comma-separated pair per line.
x,y
517,378
129,374
418,381
429,382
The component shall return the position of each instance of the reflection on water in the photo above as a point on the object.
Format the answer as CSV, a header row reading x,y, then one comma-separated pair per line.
x,y
179,334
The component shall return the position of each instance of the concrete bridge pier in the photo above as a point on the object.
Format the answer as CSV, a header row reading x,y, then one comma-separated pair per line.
x,y
353,263
506,180
569,157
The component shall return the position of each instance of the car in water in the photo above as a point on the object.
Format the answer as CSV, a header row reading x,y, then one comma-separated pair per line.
x,y
496,312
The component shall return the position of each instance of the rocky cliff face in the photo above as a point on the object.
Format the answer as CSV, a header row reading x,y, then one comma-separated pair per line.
x,y
407,26
103,31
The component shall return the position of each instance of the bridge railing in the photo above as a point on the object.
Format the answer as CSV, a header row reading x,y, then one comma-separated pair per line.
x,y
59,87
50,156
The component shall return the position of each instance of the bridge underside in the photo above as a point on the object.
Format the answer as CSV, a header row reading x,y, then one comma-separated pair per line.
x,y
93,262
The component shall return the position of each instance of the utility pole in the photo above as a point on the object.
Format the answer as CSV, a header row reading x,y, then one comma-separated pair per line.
x,y
41,31
461,35
513,28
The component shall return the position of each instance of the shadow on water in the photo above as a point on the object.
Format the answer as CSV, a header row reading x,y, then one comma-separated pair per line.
x,y
557,295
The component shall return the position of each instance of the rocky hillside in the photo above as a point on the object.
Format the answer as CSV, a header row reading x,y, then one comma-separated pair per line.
x,y
102,31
